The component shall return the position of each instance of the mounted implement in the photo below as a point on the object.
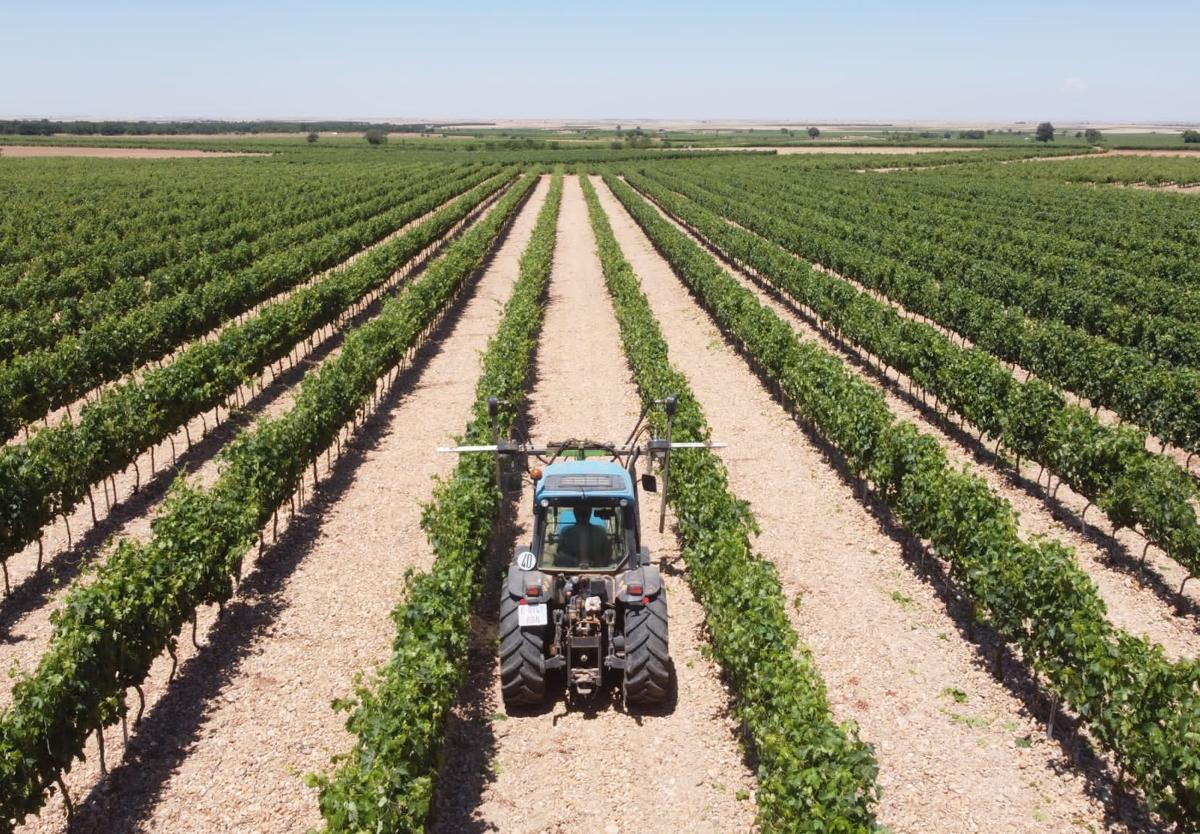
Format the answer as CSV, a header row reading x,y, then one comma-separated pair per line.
x,y
582,599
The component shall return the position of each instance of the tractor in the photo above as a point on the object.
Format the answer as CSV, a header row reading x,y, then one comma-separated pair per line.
x,y
582,599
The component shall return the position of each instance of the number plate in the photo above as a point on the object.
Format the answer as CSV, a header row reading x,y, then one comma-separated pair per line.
x,y
531,615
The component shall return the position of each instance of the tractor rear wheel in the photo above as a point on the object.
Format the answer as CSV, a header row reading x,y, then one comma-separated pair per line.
x,y
522,658
647,660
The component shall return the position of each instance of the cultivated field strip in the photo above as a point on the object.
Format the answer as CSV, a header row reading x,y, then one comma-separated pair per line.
x,y
1150,393
201,537
250,713
1130,698
1129,606
1152,238
691,774
38,321
888,357
74,219
893,656
1047,274
52,473
25,618
1185,460
67,411
1143,491
1110,466
33,384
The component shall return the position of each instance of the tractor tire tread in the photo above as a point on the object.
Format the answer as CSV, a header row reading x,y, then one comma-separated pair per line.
x,y
647,655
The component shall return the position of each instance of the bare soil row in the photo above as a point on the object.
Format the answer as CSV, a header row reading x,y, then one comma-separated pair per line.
x,y
605,770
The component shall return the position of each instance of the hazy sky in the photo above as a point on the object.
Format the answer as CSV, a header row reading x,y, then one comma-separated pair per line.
x,y
1014,59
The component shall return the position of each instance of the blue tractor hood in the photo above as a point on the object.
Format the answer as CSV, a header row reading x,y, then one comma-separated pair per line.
x,y
584,478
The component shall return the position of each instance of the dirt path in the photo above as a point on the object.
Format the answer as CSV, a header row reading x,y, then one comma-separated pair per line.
x,y
594,770
958,752
1113,152
1105,559
250,713
786,150
1168,188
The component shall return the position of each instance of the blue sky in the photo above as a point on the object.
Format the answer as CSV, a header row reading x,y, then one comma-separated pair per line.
x,y
773,60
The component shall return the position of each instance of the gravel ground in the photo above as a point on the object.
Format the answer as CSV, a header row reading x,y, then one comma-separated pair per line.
x,y
593,768
1106,559
250,713
957,749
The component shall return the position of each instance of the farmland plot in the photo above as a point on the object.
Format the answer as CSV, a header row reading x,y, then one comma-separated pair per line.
x,y
936,582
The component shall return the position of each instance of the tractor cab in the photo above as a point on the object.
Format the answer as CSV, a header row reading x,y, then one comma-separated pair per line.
x,y
585,517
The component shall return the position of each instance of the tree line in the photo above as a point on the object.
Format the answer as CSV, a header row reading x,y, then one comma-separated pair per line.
x,y
49,127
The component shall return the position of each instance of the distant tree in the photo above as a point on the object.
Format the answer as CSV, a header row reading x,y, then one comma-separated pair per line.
x,y
616,146
1093,136
971,134
783,130
814,132
1079,134
375,136
1045,132
1191,136
313,136
946,135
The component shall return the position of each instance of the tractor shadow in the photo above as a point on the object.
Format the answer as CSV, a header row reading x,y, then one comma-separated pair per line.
x,y
158,746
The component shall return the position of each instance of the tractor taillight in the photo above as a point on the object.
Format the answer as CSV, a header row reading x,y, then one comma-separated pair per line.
x,y
533,591
635,590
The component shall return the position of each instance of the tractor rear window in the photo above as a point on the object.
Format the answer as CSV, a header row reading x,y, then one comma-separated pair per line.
x,y
583,538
